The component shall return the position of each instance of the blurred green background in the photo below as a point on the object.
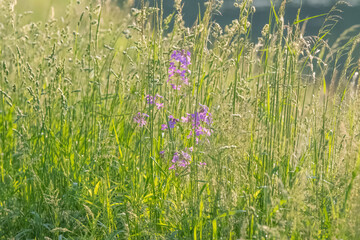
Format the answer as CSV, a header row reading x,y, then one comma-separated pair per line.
x,y
42,8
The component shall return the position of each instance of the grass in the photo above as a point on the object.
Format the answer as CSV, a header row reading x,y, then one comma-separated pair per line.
x,y
282,159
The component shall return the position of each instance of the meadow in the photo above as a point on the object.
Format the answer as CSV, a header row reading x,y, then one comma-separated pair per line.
x,y
126,124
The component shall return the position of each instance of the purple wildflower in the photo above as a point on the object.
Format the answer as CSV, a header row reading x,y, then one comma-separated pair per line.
x,y
198,122
184,163
181,159
202,131
179,62
158,96
202,116
171,123
140,119
176,87
186,119
190,134
199,131
159,105
185,155
162,154
152,100
175,157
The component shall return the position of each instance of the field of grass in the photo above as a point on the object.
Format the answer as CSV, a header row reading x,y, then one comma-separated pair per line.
x,y
99,141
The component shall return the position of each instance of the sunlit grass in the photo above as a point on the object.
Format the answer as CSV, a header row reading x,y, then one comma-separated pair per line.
x,y
262,142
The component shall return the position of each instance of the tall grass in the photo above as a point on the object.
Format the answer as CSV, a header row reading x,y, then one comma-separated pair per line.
x,y
281,154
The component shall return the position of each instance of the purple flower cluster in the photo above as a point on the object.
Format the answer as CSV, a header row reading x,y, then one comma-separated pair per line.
x,y
199,121
152,100
140,119
179,62
171,123
181,159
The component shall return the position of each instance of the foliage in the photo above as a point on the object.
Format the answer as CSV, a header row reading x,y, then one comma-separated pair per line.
x,y
98,141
